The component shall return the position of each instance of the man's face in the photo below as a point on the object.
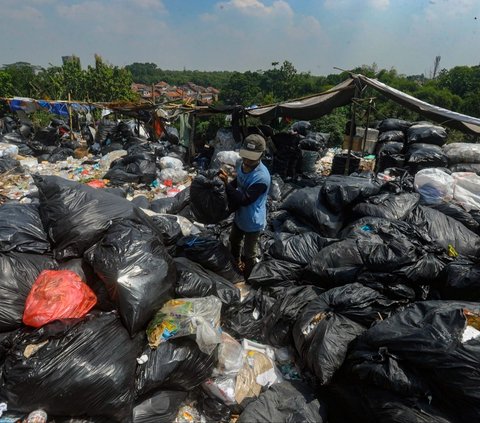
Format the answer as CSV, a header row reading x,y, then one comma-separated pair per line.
x,y
250,164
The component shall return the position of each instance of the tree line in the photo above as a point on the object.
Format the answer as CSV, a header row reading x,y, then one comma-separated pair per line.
x,y
457,89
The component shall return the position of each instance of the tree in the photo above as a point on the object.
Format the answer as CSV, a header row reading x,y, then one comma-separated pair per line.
x,y
6,86
22,74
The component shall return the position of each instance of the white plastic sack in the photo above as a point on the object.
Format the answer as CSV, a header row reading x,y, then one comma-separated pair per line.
x,y
8,150
228,157
177,176
109,158
467,190
434,186
462,152
170,163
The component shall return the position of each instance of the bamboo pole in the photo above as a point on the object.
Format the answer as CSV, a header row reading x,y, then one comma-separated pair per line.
x,y
70,116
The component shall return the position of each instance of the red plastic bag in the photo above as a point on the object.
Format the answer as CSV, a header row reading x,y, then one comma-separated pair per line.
x,y
57,294
97,183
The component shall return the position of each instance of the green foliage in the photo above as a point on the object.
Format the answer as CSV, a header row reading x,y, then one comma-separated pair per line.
x,y
6,86
40,118
333,123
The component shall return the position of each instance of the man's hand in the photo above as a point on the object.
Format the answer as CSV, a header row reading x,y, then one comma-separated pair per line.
x,y
223,176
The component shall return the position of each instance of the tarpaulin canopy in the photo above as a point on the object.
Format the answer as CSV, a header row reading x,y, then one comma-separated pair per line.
x,y
314,107
311,107
443,116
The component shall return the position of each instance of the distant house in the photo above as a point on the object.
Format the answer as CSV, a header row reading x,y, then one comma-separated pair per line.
x,y
188,92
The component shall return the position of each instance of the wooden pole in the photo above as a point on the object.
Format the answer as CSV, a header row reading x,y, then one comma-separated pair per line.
x,y
352,130
366,127
70,115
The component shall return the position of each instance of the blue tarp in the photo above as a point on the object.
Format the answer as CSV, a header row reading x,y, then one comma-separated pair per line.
x,y
29,105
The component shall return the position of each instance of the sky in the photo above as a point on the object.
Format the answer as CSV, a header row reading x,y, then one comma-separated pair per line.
x,y
244,35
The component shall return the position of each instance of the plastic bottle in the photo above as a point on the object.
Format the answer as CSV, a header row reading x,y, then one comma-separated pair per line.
x,y
37,416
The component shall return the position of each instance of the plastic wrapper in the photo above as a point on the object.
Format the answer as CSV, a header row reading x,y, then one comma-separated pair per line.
x,y
176,364
177,176
230,356
21,229
195,281
426,133
57,294
211,254
76,216
208,198
136,269
331,322
434,186
227,158
187,316
92,360
286,402
160,408
18,272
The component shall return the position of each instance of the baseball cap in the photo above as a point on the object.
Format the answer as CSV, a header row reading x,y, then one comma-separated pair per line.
x,y
253,147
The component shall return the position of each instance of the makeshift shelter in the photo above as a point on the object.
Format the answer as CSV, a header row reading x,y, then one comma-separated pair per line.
x,y
314,107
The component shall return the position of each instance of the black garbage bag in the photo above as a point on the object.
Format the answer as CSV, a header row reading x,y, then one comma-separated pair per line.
x,y
171,134
433,339
392,124
305,204
208,198
181,200
389,148
211,254
160,408
86,273
336,264
21,229
75,215
214,409
105,130
268,273
460,280
73,367
9,164
48,136
339,192
139,168
59,154
247,319
136,269
175,364
286,402
426,133
276,188
162,205
329,323
311,144
458,213
170,229
194,281
386,160
445,231
21,142
466,167
141,201
284,313
388,206
298,249
18,272
349,402
301,127
420,156
391,136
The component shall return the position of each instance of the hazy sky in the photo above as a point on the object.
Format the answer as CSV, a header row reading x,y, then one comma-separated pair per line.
x,y
315,35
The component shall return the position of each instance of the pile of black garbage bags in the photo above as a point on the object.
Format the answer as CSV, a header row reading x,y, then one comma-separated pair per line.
x,y
375,296
410,145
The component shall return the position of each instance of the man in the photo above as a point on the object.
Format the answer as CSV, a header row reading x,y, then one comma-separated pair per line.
x,y
247,197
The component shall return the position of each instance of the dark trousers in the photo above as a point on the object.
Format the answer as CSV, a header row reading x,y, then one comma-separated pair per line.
x,y
250,247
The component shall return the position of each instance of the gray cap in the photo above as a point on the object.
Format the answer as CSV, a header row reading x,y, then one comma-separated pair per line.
x,y
253,147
